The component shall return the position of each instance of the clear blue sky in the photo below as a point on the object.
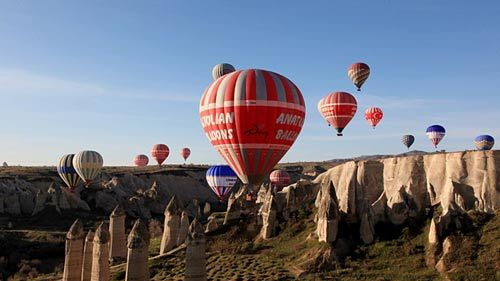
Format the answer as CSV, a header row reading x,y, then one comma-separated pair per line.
x,y
119,76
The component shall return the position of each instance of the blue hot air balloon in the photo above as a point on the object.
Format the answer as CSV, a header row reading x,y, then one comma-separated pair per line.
x,y
484,142
408,140
67,172
221,179
435,133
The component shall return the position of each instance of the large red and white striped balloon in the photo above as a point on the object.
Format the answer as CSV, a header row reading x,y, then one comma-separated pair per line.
x,y
141,160
252,117
373,115
185,152
338,108
160,152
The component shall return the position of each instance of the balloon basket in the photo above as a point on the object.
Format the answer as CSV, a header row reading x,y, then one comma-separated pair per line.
x,y
339,134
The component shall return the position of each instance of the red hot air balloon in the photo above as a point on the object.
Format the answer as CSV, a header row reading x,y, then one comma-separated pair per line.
x,y
338,108
373,115
141,160
279,179
185,152
160,153
252,117
358,73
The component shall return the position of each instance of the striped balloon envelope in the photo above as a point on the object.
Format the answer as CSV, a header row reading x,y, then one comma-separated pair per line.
x,y
252,117
435,133
358,73
408,140
373,115
141,160
160,152
221,179
185,152
88,165
279,178
221,69
338,108
67,172
484,142
320,103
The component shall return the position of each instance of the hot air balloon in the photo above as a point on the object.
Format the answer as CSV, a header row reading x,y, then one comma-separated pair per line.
x,y
408,140
373,115
320,111
221,69
185,152
279,179
338,108
252,117
358,73
221,178
141,160
67,172
160,153
484,142
87,164
435,133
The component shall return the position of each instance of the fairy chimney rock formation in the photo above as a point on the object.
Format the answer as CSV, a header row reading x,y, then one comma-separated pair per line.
x,y
87,256
100,253
73,252
212,225
117,244
137,257
269,223
195,254
183,229
171,226
328,215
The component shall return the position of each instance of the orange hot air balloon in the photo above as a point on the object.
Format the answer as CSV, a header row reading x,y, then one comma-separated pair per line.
x,y
373,115
141,160
338,108
185,152
252,117
358,73
160,152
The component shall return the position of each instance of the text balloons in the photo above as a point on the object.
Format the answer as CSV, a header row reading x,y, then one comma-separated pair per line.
x,y
160,152
358,73
221,179
141,160
373,115
88,165
338,108
435,133
484,142
67,172
252,117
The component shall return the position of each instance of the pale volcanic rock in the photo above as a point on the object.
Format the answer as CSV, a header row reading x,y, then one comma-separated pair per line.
x,y
269,220
73,255
117,246
207,210
171,226
87,256
183,228
212,225
448,246
233,210
138,253
195,254
100,252
328,215
40,199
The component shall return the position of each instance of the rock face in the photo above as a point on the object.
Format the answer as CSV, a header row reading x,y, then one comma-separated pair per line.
x,y
73,252
328,215
269,218
212,225
117,246
183,228
171,226
195,254
137,257
87,256
100,260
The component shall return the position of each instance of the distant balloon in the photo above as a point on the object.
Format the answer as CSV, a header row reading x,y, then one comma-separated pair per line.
x,y
160,152
408,140
484,142
320,103
435,133
221,69
358,73
185,152
338,108
141,160
221,179
279,178
252,117
88,164
373,115
67,172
